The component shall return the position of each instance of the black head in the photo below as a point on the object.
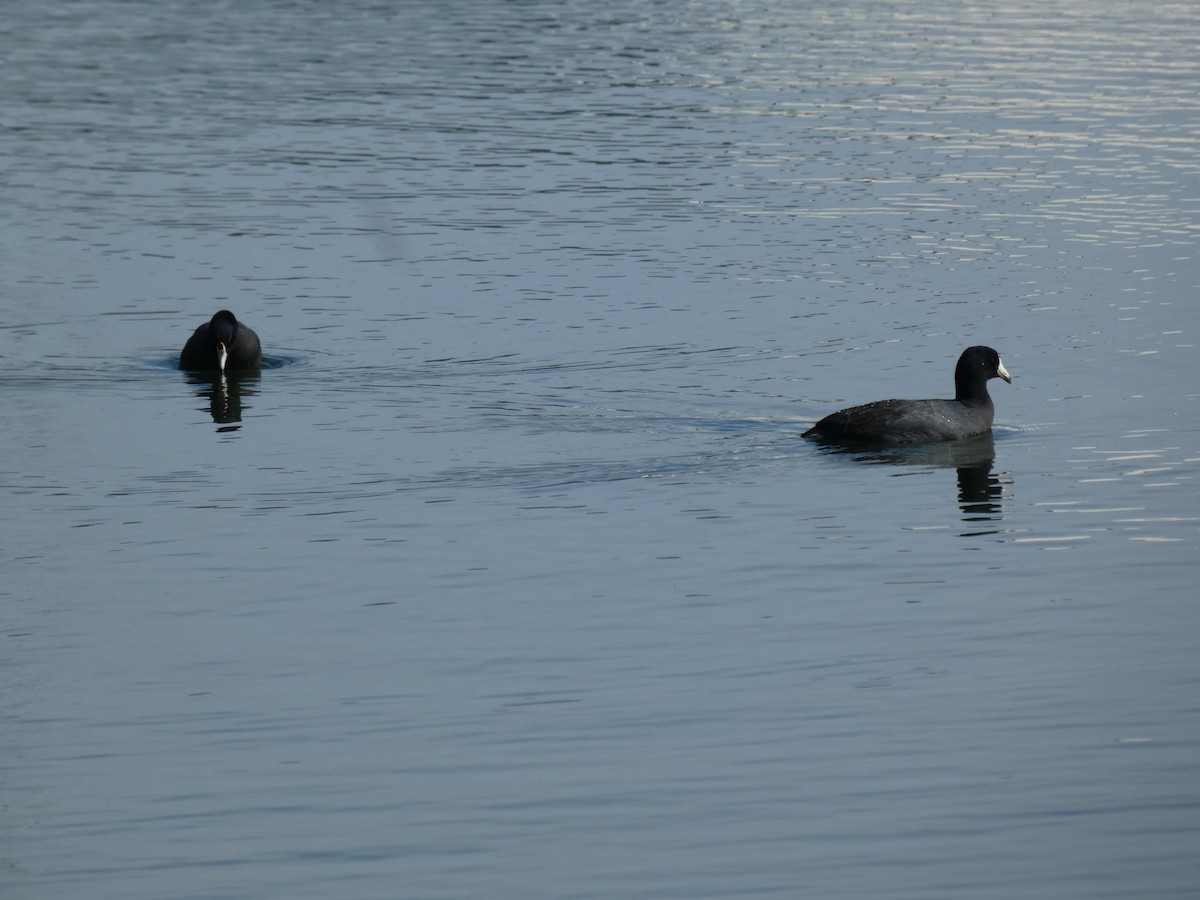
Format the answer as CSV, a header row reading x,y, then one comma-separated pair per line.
x,y
223,327
975,367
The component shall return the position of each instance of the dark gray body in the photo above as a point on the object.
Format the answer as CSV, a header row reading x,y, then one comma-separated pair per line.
x,y
905,422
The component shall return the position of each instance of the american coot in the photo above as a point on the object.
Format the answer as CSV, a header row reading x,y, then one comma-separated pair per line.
x,y
222,343
970,413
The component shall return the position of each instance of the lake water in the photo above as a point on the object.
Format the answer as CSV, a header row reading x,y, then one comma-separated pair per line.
x,y
510,577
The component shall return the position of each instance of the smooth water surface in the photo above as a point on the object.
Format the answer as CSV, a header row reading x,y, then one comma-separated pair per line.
x,y
509,575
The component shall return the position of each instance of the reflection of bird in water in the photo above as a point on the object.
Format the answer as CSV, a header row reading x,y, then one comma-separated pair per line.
x,y
224,394
980,491
973,452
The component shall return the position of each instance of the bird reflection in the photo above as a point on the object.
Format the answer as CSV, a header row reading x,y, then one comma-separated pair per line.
x,y
980,490
224,392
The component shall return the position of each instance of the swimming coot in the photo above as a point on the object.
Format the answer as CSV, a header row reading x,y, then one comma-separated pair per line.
x,y
222,343
970,413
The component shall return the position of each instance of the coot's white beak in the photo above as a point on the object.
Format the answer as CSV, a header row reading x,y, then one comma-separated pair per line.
x,y
223,354
1000,370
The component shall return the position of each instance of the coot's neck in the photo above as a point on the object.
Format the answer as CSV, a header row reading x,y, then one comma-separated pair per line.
x,y
969,388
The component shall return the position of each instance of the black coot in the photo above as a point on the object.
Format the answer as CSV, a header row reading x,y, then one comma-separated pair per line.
x,y
970,413
222,343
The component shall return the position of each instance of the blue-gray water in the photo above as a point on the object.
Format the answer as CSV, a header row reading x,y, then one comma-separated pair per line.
x,y
510,577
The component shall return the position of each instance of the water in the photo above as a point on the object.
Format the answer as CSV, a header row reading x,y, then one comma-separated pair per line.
x,y
509,576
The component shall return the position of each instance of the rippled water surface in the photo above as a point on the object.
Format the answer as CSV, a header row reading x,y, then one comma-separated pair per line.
x,y
509,575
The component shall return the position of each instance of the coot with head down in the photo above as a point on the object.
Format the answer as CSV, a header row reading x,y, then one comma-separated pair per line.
x,y
222,343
